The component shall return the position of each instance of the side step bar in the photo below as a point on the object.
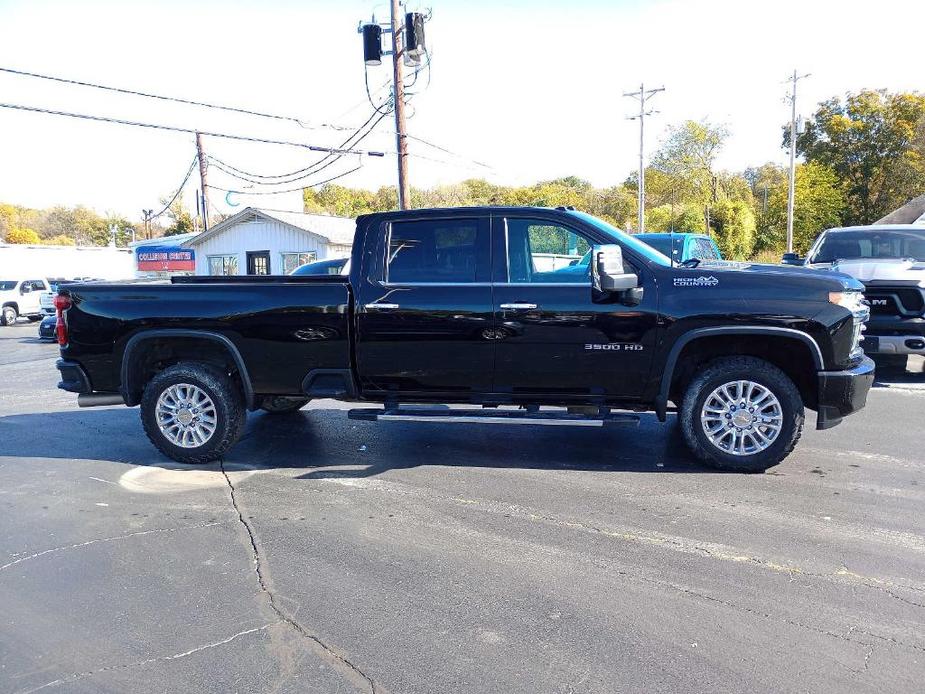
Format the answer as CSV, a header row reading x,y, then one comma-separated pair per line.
x,y
458,416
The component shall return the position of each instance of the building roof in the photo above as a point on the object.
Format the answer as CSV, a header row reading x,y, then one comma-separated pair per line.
x,y
335,230
913,212
175,240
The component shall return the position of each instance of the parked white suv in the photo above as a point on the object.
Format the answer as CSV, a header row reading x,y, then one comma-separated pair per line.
x,y
21,297
47,299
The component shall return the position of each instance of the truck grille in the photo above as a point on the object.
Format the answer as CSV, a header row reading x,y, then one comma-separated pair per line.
x,y
895,301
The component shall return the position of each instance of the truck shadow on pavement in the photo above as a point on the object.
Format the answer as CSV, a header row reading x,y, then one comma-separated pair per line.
x,y
369,449
325,444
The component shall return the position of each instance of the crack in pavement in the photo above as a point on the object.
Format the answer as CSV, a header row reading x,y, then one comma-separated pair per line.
x,y
824,632
148,661
323,650
78,545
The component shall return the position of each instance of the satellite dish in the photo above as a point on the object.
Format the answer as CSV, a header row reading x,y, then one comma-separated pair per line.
x,y
228,200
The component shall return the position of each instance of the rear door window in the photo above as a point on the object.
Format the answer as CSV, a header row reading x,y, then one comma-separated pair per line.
x,y
438,251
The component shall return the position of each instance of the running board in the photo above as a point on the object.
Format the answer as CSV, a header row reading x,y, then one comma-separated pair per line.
x,y
491,417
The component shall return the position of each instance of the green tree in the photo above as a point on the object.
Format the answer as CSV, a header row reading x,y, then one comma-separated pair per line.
x,y
22,235
338,200
869,142
735,228
686,159
680,218
818,205
181,221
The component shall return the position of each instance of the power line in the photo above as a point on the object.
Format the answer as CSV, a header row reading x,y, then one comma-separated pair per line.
x,y
447,151
386,105
320,165
191,131
179,100
292,190
186,178
266,179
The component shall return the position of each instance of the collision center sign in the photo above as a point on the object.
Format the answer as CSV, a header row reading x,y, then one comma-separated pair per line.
x,y
165,258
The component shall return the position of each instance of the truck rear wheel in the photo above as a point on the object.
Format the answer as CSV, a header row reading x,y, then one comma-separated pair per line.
x,y
8,315
192,412
742,414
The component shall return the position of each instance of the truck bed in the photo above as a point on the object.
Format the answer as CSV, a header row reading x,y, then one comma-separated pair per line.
x,y
281,327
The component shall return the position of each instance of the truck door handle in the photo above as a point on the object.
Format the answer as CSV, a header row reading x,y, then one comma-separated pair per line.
x,y
518,307
381,307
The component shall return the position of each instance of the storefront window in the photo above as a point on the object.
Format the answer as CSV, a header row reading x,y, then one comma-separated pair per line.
x,y
223,265
293,260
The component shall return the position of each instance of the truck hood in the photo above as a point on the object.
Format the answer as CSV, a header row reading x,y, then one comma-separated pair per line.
x,y
866,270
835,280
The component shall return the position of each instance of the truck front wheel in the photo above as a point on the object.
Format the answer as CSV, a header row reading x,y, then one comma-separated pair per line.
x,y
742,414
192,412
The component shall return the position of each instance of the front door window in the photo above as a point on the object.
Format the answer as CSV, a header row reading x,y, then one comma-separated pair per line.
x,y
543,253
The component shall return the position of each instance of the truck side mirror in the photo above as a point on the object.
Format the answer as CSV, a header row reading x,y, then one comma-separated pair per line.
x,y
607,270
792,259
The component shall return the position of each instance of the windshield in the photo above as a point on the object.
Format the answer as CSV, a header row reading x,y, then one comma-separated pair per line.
x,y
643,249
660,242
6,285
873,244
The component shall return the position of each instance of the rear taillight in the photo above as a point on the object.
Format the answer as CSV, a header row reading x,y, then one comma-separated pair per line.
x,y
62,304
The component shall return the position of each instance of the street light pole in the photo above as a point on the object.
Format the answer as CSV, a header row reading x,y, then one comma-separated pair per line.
x,y
642,95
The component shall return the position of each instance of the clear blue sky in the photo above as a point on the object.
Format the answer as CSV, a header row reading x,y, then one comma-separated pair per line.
x,y
533,89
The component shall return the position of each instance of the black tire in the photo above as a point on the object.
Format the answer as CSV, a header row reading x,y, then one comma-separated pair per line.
x,y
725,370
281,404
8,315
230,411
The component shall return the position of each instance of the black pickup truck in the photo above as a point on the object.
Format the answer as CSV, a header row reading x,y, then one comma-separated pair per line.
x,y
490,312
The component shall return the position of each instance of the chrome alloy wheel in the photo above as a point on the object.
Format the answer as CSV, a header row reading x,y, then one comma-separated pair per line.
x,y
186,415
742,418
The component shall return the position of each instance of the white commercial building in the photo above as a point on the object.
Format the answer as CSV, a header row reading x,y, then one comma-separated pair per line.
x,y
266,242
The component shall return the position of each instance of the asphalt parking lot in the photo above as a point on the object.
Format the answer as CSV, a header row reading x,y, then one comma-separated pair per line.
x,y
327,555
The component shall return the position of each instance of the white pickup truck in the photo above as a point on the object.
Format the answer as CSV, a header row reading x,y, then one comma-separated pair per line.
x,y
890,260
21,297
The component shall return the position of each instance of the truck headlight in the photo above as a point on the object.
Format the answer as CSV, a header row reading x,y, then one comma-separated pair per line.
x,y
855,302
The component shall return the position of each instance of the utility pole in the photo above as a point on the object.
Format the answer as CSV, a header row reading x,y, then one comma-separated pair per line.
x,y
791,193
146,215
203,169
642,95
398,91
